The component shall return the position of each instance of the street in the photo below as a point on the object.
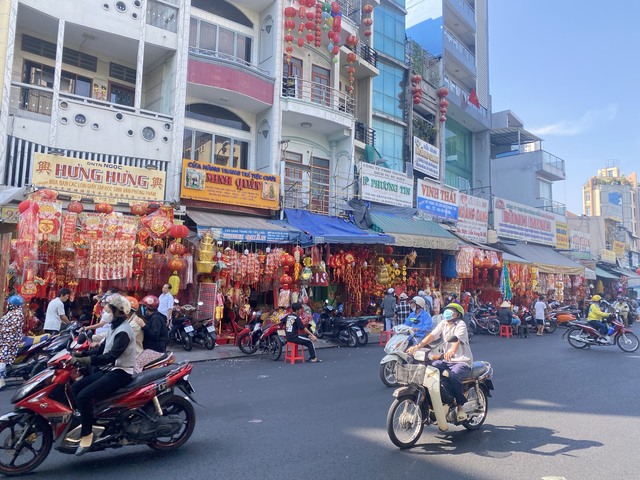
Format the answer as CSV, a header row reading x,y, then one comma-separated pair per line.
x,y
556,412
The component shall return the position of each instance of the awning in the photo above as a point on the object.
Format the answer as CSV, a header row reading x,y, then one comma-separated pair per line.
x,y
326,229
589,274
602,273
545,258
10,193
238,228
507,257
415,232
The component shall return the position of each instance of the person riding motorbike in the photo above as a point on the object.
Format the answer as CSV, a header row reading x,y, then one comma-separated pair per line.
x,y
419,319
457,359
594,317
622,306
10,334
118,354
155,331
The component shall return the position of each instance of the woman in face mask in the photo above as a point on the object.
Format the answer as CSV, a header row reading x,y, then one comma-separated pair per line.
x,y
419,319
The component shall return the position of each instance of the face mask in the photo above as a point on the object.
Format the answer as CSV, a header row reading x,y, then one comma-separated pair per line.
x,y
143,310
413,308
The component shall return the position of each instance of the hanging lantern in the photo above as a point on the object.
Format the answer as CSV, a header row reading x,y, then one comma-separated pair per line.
x,y
177,248
287,261
290,12
351,57
179,231
368,8
310,25
367,33
444,103
352,41
443,119
138,209
27,204
416,78
285,279
104,208
442,92
309,37
75,207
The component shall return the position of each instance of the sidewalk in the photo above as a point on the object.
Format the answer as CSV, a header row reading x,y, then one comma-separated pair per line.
x,y
225,352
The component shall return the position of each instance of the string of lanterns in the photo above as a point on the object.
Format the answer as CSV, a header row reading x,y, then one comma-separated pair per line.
x,y
442,93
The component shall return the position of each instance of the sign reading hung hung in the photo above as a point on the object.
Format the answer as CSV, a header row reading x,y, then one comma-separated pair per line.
x,y
426,158
522,222
473,218
89,178
437,200
382,185
208,182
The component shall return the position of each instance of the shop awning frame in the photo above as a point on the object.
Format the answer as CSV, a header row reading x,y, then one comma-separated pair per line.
x,y
545,258
602,273
415,232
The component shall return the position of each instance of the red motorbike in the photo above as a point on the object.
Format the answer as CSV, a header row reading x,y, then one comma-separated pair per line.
x,y
145,412
581,335
253,338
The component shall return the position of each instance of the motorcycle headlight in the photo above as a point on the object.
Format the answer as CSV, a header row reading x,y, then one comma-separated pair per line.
x,y
29,387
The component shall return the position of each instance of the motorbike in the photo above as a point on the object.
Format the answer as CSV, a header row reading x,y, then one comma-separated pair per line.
x,y
331,325
582,335
562,315
268,340
181,330
204,333
361,325
28,356
526,317
145,412
425,397
483,320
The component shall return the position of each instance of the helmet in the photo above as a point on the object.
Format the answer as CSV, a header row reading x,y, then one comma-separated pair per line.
x,y
455,306
150,301
596,298
390,291
421,293
117,301
403,296
418,301
15,300
134,303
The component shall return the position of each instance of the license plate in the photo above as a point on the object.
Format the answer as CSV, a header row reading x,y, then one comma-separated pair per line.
x,y
211,328
188,329
281,333
366,329
359,333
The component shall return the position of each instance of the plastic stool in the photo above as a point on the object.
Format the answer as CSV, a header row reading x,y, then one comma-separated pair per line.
x,y
385,336
291,353
506,331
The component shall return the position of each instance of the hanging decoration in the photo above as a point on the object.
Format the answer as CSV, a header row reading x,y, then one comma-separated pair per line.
x,y
442,92
352,43
367,21
75,207
289,24
416,89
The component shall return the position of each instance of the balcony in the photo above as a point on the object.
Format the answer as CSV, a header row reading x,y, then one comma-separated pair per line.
x,y
460,53
550,167
549,205
215,75
459,100
365,134
463,11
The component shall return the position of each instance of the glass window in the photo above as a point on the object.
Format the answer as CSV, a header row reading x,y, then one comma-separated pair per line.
x,y
389,142
223,151
386,88
162,16
389,33
226,40
545,189
203,147
206,147
458,151
187,143
122,95
207,36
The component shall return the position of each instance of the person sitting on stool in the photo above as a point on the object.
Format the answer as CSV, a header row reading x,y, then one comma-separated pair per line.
x,y
294,328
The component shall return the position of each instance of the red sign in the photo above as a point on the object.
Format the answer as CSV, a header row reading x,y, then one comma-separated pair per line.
x,y
319,279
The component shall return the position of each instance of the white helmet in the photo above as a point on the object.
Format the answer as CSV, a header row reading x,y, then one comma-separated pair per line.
x,y
390,291
418,301
119,302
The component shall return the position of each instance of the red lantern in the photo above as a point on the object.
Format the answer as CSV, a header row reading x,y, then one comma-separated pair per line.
x,y
290,12
416,78
179,231
444,103
302,12
310,25
75,207
352,40
288,38
285,279
388,249
417,100
337,23
287,261
335,7
175,264
443,111
138,209
176,248
442,92
311,15
336,50
367,33
289,24
27,204
301,42
104,208
368,8
351,57
443,119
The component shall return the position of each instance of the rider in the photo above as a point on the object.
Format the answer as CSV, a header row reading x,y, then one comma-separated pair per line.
x,y
419,319
118,354
156,333
623,307
457,357
594,317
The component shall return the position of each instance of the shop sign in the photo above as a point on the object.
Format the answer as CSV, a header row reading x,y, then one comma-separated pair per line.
x,y
437,200
608,256
9,215
580,242
522,222
319,279
386,186
618,248
562,235
233,186
97,179
473,218
426,158
245,234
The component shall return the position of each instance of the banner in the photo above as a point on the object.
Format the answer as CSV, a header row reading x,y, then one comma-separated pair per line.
x,y
98,179
522,222
473,218
607,256
580,242
426,158
382,185
437,200
618,248
562,235
218,184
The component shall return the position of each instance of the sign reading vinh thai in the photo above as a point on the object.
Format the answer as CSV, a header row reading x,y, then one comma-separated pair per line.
x,y
382,185
97,179
522,222
437,200
219,184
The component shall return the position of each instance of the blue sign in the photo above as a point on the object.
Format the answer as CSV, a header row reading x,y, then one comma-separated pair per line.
x,y
246,234
438,209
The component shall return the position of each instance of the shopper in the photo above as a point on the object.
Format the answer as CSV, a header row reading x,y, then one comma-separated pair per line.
x,y
56,315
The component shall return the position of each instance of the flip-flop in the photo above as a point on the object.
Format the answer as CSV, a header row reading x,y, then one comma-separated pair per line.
x,y
315,360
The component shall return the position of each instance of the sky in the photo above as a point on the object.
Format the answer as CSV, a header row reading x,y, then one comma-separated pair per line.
x,y
570,70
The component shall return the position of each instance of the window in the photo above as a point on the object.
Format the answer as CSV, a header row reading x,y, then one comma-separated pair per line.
x,y
320,185
545,189
161,15
389,142
320,91
230,44
306,186
216,115
46,49
75,84
42,75
390,33
206,147
458,151
123,73
121,95
386,88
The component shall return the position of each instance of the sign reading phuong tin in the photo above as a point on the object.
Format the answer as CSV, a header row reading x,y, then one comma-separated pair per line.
x,y
382,185
437,200
521,222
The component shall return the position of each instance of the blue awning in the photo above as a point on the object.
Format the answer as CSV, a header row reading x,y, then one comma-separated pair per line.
x,y
415,232
326,229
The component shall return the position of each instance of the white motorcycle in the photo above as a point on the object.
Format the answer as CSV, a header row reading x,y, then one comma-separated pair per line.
x,y
426,397
396,353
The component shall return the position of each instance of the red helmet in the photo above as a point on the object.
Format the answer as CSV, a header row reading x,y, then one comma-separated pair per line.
x,y
150,301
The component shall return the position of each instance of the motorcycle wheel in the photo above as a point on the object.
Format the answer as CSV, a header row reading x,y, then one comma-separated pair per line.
x,y
476,418
551,327
493,327
319,331
244,342
627,342
274,348
351,340
473,327
388,373
364,339
405,422
209,341
577,338
186,342
176,405
35,448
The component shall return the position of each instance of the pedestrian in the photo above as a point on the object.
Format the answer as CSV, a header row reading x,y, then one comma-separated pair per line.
x,y
403,309
419,319
295,329
10,334
506,315
165,307
540,310
56,315
388,309
437,303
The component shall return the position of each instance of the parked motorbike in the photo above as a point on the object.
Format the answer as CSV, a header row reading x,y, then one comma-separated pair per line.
x,y
526,317
181,330
563,314
484,320
361,325
582,335
425,397
27,357
204,332
331,325
268,340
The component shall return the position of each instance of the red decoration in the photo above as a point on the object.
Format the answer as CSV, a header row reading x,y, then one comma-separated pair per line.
x,y
104,208
367,33
287,261
179,231
443,118
442,92
416,78
368,8
444,103
290,12
48,195
388,249
139,209
176,248
352,41
285,279
75,207
309,37
351,57
175,264
367,21
27,204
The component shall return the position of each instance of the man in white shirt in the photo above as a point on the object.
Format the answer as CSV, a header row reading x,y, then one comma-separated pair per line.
x,y
166,302
56,315
541,314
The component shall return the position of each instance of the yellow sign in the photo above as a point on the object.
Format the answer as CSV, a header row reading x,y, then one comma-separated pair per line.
x,y
607,256
98,179
562,235
218,184
9,215
618,248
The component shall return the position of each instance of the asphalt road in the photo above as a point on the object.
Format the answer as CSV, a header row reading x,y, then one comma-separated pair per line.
x,y
557,412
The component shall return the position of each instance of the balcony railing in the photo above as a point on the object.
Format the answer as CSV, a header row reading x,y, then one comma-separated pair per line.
x,y
351,9
458,90
162,14
318,94
549,205
463,50
368,54
225,58
365,134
